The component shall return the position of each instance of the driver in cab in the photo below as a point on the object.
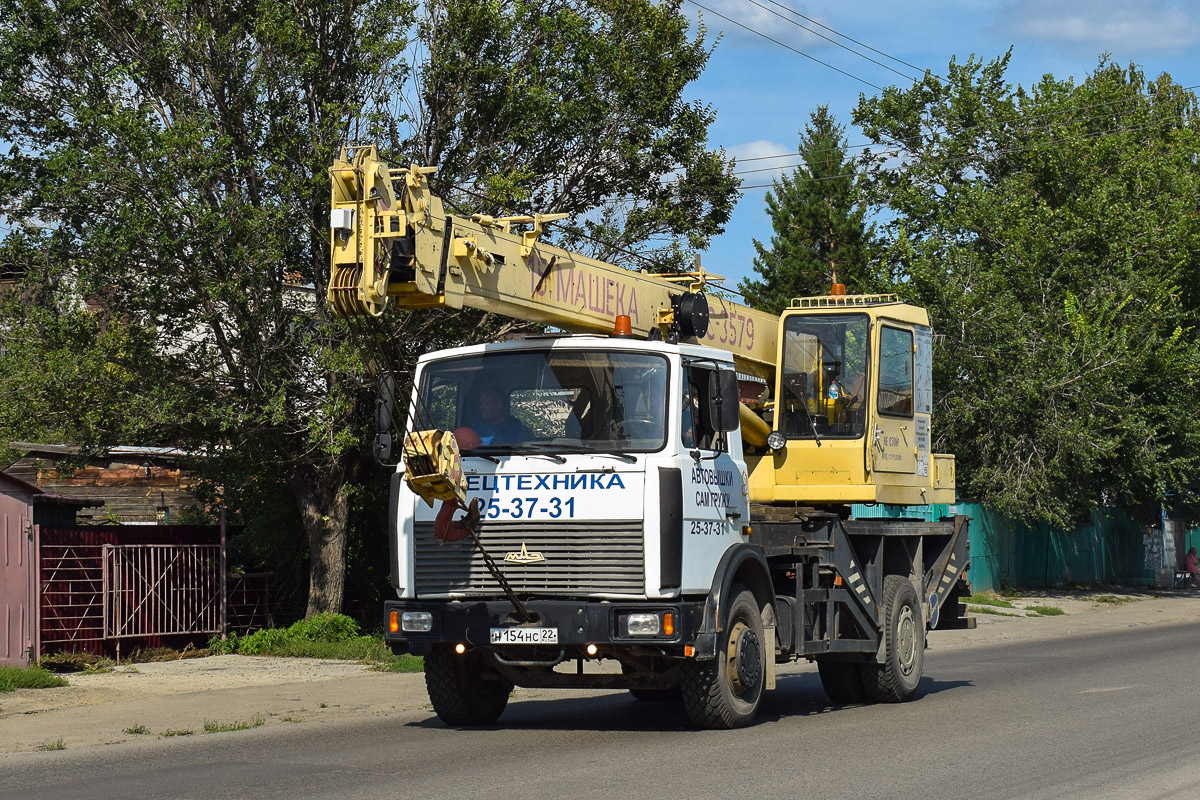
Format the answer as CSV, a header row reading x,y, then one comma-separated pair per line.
x,y
495,425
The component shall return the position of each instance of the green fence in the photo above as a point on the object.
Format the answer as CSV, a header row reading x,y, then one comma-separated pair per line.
x,y
1111,549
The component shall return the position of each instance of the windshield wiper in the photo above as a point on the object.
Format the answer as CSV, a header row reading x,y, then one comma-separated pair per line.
x,y
540,449
580,450
551,449
628,459
528,448
478,453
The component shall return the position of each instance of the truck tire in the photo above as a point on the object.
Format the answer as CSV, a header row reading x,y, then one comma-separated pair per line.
x,y
896,679
460,693
725,692
842,681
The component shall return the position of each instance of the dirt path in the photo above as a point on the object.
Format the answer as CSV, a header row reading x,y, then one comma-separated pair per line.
x,y
178,696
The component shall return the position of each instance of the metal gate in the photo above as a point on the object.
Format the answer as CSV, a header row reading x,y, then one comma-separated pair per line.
x,y
160,589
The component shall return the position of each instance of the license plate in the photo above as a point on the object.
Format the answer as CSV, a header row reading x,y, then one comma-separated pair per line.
x,y
524,635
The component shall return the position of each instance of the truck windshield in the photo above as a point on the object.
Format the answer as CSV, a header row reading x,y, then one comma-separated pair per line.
x,y
576,400
824,375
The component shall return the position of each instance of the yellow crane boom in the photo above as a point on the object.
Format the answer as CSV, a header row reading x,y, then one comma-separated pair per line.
x,y
850,377
401,247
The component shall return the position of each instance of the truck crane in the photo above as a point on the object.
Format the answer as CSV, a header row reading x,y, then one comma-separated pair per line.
x,y
666,488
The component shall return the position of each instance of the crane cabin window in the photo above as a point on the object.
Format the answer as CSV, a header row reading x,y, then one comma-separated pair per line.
x,y
895,372
824,376
553,400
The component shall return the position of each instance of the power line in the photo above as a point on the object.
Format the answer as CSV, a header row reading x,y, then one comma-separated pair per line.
x,y
787,46
1023,125
826,38
856,41
944,159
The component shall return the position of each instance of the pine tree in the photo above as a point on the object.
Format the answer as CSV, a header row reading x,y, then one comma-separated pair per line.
x,y
818,223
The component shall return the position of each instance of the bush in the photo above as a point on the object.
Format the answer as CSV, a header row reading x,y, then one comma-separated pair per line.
x,y
333,636
325,628
297,639
262,642
223,647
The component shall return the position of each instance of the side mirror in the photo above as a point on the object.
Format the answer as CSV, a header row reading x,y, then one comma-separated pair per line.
x,y
385,404
385,407
383,448
723,400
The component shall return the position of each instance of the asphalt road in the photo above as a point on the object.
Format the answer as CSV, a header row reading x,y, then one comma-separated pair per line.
x,y
1102,716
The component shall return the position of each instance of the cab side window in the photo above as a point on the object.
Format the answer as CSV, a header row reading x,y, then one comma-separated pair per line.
x,y
697,430
895,372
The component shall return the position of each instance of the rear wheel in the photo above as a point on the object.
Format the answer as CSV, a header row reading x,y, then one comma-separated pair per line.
x,y
462,689
725,692
897,678
842,681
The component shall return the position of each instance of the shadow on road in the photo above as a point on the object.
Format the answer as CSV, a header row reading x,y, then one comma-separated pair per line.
x,y
794,696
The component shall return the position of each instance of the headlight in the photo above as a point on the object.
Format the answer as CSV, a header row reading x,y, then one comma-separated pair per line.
x,y
776,440
643,624
416,621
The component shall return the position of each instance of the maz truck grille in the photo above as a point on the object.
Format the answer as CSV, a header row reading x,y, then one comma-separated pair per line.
x,y
580,558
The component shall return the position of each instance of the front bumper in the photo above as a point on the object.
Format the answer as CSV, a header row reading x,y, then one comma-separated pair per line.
x,y
579,623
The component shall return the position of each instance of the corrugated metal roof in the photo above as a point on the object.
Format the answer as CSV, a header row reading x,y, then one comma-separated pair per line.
x,y
120,450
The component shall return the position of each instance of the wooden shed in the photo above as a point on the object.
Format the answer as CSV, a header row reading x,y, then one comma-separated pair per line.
x,y
127,485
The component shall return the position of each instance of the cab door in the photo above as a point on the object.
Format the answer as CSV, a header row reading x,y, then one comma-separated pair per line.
x,y
715,504
894,443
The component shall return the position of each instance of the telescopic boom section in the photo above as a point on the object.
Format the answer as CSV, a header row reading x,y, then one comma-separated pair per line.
x,y
392,242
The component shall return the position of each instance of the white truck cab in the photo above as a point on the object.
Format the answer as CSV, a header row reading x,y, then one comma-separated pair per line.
x,y
599,465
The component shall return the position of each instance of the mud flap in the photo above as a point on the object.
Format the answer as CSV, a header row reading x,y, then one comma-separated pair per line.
x,y
769,647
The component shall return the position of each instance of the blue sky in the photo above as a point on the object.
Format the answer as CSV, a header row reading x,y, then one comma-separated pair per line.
x,y
763,92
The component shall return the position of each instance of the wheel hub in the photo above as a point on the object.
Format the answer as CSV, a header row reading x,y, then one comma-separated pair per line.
x,y
906,640
745,656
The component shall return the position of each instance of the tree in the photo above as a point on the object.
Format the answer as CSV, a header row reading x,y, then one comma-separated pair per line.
x,y
1055,237
818,223
168,162
575,107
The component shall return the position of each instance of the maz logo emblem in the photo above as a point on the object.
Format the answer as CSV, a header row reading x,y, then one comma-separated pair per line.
x,y
524,557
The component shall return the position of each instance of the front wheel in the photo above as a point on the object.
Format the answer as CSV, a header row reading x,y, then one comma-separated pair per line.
x,y
462,690
726,691
896,679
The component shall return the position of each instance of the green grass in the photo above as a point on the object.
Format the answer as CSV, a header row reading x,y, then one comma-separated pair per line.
x,y
1110,598
13,678
401,663
57,744
987,610
1046,611
211,726
331,636
178,732
137,729
989,600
